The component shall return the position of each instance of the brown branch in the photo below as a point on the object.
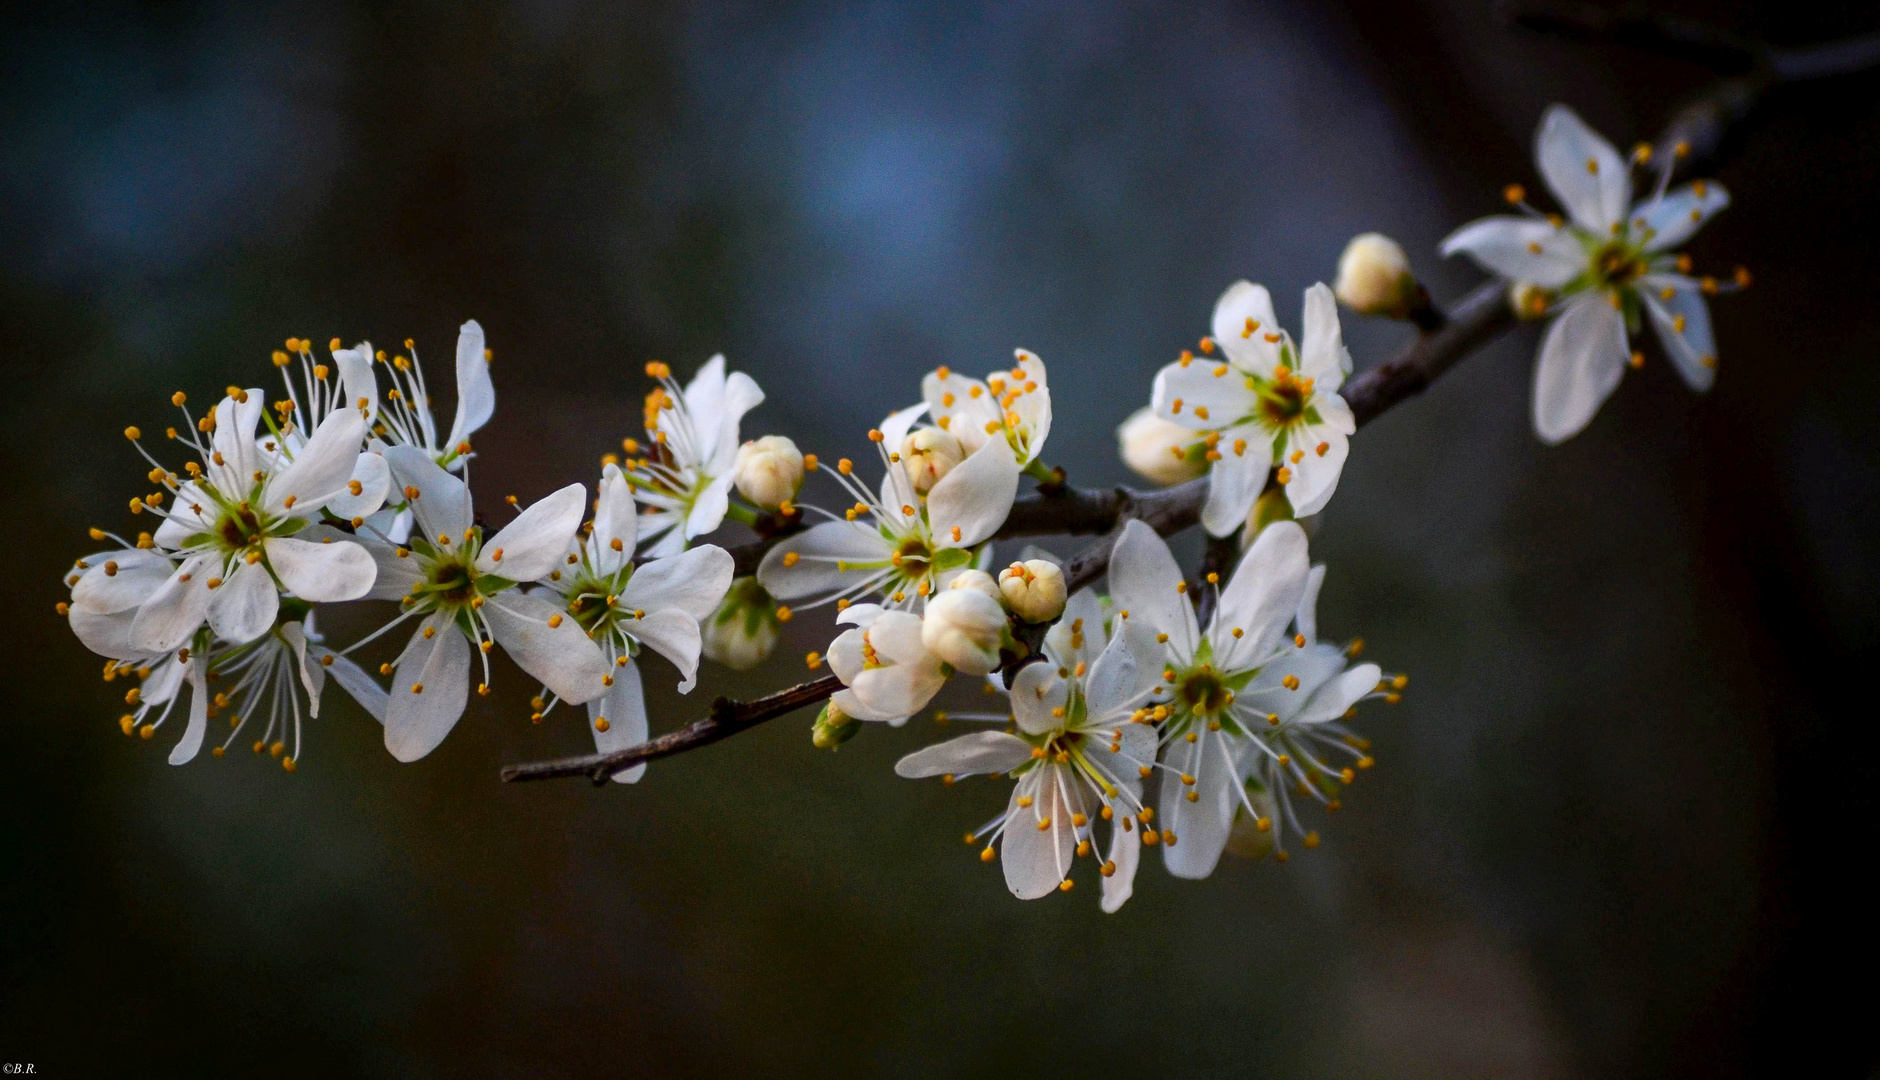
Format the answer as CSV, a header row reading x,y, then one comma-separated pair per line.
x,y
1447,337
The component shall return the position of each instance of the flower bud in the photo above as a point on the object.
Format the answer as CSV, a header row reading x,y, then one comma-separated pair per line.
x,y
1160,450
929,454
832,728
769,471
1034,590
1374,277
964,628
978,581
743,631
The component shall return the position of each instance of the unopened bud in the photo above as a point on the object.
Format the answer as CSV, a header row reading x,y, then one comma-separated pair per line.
x,y
832,728
1034,590
977,581
743,631
1374,277
964,628
769,471
1160,450
929,454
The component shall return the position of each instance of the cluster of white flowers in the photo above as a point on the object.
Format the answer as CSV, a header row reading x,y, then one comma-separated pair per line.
x,y
1123,706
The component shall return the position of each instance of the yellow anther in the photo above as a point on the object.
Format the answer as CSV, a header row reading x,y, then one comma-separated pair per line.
x,y
784,613
1514,193
554,621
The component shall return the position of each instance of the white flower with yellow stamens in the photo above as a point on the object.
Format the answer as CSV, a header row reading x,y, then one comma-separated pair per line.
x,y
685,476
1081,751
317,394
1265,404
236,525
899,543
271,683
464,589
405,418
1214,704
886,671
1605,267
624,607
1014,403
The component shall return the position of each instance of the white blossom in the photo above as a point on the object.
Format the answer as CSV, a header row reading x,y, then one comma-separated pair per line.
x,y
887,674
1014,403
623,608
405,418
1265,404
898,543
1607,267
1159,450
1080,753
687,471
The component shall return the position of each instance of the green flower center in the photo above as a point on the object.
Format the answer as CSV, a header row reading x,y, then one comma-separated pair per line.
x,y
1201,692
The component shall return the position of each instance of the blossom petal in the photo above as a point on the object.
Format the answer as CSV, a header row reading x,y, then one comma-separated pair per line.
x,y
1519,249
614,519
233,441
243,607
356,380
741,395
692,583
476,394
1264,592
120,580
322,571
975,497
416,720
537,541
353,679
394,574
560,655
1322,354
191,512
624,708
1037,691
1314,476
708,510
1582,358
176,609
1672,219
1682,319
1112,685
1335,696
1037,859
674,635
1203,394
190,744
896,425
1306,616
1243,316
442,503
1583,170
1126,853
320,471
374,478
960,406
107,635
1143,580
1200,827
982,753
821,553
1236,480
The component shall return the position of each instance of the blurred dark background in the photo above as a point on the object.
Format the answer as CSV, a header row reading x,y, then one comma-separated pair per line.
x,y
1617,822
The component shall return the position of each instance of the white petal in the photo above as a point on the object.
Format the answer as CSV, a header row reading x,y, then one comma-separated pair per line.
x,y
322,571
899,689
1693,350
1126,853
1200,827
561,656
1143,576
1314,477
476,395
1582,358
982,753
243,608
1306,617
120,580
166,620
845,655
1506,245
741,395
1334,697
692,582
675,636
1083,611
624,708
975,497
1036,692
1680,213
1235,481
442,505
1204,394
312,676
107,635
1264,592
704,400
416,722
614,519
358,384
895,427
190,744
374,478
321,469
1112,684
537,541
820,553
353,679
1322,354
1037,859
394,574
1244,343
191,512
708,510
1583,170
234,443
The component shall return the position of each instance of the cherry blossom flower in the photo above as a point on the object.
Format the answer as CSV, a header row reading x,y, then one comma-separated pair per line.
x,y
687,471
887,673
1014,403
1606,267
405,419
1265,404
623,608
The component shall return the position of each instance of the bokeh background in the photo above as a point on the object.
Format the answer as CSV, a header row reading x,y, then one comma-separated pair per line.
x,y
1618,821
